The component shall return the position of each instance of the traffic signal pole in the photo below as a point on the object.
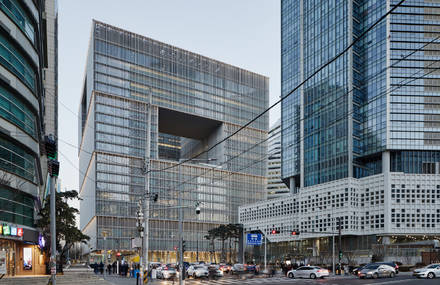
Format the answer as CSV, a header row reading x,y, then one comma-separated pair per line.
x,y
53,234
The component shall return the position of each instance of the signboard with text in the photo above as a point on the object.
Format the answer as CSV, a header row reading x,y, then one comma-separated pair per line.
x,y
11,231
254,239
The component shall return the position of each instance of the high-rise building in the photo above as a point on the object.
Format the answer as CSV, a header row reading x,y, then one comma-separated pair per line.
x,y
361,138
275,186
196,102
28,104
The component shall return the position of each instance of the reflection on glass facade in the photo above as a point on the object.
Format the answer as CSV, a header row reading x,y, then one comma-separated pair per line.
x,y
381,95
205,100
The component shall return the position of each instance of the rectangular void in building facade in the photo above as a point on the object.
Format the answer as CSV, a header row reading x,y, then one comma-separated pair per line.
x,y
196,102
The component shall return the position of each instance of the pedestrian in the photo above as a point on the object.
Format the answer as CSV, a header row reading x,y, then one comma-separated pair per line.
x,y
114,267
101,268
109,269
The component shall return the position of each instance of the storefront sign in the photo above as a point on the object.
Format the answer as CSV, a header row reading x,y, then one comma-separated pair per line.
x,y
12,231
2,261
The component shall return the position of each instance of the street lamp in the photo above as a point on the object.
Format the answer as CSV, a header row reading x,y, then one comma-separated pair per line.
x,y
181,161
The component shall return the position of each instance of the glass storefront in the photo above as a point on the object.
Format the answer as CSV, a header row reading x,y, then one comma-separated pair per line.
x,y
18,258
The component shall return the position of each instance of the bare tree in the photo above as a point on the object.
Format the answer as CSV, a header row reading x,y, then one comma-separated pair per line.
x,y
378,251
350,257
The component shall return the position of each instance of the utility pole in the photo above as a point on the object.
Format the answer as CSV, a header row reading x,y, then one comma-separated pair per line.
x,y
340,245
265,252
145,201
180,229
53,168
53,231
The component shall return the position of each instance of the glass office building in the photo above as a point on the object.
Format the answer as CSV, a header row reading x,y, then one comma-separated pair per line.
x,y
380,96
361,138
28,68
196,102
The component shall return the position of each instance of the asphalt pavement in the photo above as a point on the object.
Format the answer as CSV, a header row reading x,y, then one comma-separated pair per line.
x,y
401,279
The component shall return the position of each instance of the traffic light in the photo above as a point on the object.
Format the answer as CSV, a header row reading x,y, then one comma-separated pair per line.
x,y
51,147
340,254
197,208
274,232
295,233
183,246
53,167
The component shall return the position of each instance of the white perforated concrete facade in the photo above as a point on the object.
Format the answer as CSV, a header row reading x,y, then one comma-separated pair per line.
x,y
408,205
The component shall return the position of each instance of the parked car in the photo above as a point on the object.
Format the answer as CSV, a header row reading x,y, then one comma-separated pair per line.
x,y
392,264
375,270
166,272
431,271
238,268
311,272
197,271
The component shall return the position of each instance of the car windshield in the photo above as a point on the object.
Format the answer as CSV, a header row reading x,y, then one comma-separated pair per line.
x,y
199,267
432,266
372,266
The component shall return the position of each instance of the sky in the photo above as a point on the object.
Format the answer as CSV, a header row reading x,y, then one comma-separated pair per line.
x,y
244,33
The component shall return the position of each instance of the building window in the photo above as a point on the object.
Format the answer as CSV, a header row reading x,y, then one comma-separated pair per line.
x,y
16,160
16,112
15,62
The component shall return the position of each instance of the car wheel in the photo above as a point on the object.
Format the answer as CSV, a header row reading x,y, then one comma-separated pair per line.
x,y
392,275
313,276
430,275
375,276
290,275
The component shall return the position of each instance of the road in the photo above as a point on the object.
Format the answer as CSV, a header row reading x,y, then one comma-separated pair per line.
x,y
401,279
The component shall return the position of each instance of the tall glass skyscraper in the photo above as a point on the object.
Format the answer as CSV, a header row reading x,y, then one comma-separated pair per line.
x,y
196,102
378,97
361,138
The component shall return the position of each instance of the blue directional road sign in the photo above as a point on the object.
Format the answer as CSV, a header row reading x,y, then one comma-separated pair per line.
x,y
254,239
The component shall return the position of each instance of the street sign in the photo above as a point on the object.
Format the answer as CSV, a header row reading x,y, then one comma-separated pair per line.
x,y
254,239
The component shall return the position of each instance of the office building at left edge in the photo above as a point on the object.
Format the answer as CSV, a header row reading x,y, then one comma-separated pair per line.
x,y
28,113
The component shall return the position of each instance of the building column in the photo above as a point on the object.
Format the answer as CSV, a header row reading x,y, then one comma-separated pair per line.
x,y
293,189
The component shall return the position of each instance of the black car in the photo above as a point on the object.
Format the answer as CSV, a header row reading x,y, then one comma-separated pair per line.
x,y
356,270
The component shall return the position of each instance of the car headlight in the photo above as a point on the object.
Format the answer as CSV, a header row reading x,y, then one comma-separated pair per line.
x,y
370,272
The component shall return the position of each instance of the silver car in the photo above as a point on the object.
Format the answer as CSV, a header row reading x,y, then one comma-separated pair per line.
x,y
311,272
377,270
431,271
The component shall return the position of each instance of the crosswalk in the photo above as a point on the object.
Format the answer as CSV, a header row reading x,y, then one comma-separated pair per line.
x,y
226,281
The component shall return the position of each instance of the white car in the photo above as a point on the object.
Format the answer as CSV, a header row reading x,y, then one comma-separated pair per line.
x,y
166,272
197,271
431,271
311,272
